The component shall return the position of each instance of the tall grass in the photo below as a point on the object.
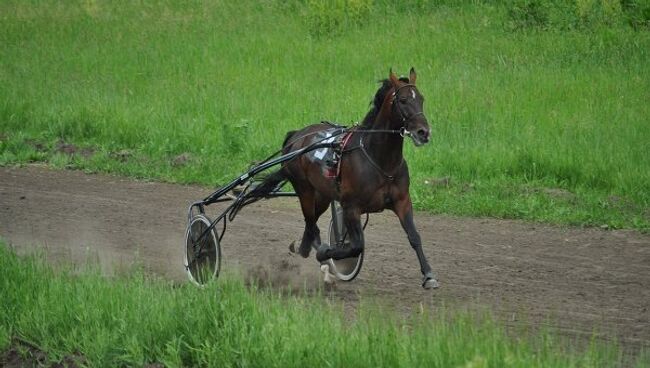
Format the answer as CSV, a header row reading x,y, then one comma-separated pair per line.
x,y
133,320
513,110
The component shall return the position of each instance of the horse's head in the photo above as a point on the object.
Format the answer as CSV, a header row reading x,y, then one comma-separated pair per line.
x,y
406,109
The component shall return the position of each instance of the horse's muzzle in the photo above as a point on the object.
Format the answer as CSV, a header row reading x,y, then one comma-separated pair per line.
x,y
421,136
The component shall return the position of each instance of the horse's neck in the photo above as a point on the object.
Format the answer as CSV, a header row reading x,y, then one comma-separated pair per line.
x,y
385,148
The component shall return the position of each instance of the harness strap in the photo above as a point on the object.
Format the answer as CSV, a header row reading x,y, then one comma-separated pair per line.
x,y
374,164
344,142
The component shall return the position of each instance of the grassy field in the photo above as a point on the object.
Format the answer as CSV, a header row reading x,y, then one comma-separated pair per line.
x,y
533,117
132,320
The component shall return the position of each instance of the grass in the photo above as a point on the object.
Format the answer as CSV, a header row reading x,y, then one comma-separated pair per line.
x,y
518,116
133,320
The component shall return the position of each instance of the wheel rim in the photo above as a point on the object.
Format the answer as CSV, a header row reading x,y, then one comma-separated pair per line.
x,y
344,269
203,258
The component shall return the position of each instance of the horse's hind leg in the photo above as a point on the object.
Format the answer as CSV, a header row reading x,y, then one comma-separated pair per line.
x,y
313,205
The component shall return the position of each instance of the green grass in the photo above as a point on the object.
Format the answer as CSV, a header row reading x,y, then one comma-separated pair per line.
x,y
512,111
132,320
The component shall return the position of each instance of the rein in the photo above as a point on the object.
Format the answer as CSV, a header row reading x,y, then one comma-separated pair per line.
x,y
376,165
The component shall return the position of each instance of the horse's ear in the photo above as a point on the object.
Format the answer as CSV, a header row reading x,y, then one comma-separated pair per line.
x,y
412,76
393,78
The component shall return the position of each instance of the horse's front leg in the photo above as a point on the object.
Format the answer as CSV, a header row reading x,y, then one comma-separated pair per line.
x,y
404,210
352,221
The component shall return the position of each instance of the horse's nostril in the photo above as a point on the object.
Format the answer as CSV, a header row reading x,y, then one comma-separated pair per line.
x,y
422,133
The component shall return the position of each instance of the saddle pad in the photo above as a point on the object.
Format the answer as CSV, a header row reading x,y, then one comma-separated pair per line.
x,y
327,158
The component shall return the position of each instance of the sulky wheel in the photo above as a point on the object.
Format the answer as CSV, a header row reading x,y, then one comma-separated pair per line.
x,y
202,256
344,269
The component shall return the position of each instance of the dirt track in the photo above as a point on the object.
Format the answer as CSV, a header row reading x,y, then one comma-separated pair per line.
x,y
576,280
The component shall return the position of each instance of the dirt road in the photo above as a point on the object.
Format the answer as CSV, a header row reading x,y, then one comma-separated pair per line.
x,y
576,280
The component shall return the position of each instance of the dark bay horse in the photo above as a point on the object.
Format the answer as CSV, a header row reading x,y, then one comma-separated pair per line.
x,y
373,174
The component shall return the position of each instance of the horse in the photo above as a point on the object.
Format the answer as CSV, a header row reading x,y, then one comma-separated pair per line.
x,y
372,174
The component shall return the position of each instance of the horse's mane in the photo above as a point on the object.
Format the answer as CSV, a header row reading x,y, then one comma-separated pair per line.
x,y
377,101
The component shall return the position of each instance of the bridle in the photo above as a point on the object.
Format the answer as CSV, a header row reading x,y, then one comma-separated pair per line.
x,y
403,132
400,113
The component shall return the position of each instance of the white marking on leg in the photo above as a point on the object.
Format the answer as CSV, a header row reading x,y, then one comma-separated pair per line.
x,y
328,279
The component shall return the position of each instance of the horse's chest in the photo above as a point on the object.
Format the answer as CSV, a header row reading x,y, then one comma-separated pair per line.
x,y
378,201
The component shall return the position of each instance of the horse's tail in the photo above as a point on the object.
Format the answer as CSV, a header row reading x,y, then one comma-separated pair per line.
x,y
288,137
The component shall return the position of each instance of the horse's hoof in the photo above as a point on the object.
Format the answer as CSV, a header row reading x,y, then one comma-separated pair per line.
x,y
304,252
321,253
429,282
